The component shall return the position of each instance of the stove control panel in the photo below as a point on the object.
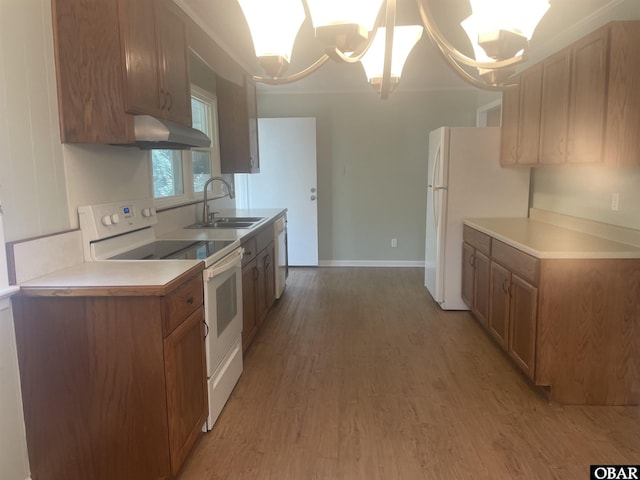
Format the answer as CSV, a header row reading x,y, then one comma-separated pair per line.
x,y
98,222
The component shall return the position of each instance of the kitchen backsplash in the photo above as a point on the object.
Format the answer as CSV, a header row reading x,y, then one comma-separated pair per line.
x,y
586,192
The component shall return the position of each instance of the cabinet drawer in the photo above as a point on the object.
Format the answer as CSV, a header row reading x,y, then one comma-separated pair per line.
x,y
520,263
264,237
250,250
180,303
476,239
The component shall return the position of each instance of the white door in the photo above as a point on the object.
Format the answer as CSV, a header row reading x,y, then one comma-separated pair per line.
x,y
287,179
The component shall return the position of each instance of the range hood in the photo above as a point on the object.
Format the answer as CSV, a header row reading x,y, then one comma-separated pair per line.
x,y
152,132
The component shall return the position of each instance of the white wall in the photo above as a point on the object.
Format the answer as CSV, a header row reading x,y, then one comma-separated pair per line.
x,y
372,166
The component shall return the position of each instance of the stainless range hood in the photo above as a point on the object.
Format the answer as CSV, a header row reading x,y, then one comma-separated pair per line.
x,y
151,132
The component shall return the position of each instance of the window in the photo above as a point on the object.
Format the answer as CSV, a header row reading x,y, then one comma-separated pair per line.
x,y
179,175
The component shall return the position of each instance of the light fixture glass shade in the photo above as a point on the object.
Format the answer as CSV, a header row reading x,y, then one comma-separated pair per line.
x,y
337,12
274,25
517,16
404,39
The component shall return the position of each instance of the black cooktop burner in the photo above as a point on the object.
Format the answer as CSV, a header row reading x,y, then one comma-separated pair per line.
x,y
174,250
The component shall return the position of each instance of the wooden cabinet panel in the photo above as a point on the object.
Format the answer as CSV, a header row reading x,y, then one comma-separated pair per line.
x,y
556,76
623,98
174,68
129,401
529,116
509,129
516,260
186,377
468,272
522,324
476,239
499,303
237,127
588,99
185,299
481,287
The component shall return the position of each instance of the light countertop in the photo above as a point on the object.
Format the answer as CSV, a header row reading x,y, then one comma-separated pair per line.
x,y
139,277
114,278
544,240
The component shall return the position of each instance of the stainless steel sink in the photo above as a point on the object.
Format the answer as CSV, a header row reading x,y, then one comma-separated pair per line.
x,y
229,222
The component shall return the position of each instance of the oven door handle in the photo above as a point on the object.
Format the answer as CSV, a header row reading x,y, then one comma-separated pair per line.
x,y
231,261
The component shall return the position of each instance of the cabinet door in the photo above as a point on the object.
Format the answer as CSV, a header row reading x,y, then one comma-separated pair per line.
x,y
529,116
499,303
481,288
522,329
509,129
468,270
588,99
252,114
174,68
142,65
233,127
269,276
555,108
261,293
186,382
249,325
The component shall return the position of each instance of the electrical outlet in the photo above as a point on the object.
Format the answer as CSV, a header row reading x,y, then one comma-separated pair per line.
x,y
394,243
615,201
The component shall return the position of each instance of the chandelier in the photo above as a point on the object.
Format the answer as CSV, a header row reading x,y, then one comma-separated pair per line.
x,y
364,31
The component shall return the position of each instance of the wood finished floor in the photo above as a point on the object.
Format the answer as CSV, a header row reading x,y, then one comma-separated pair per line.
x,y
356,374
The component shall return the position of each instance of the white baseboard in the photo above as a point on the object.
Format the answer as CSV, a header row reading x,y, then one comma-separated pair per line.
x,y
371,263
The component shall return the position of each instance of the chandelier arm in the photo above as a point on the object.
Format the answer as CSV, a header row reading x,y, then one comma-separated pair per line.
x,y
390,22
439,39
294,77
355,57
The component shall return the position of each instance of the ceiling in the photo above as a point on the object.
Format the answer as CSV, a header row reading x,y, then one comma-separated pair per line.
x,y
424,70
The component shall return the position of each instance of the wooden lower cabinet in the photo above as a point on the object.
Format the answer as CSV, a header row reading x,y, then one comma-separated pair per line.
x,y
112,389
258,281
475,273
499,304
572,325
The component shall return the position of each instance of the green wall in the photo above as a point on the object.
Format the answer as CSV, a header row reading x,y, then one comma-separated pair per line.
x,y
372,167
585,192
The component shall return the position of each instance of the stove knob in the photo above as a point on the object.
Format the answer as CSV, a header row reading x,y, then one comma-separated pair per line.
x,y
146,212
106,220
153,211
115,218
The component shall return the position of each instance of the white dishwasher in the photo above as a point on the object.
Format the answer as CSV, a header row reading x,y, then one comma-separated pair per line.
x,y
282,263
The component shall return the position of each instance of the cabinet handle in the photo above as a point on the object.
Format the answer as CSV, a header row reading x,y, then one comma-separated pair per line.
x,y
472,259
505,289
251,162
560,150
190,300
570,145
247,253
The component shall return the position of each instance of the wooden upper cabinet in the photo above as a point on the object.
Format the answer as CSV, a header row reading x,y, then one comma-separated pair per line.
x,y
154,42
588,98
556,74
237,126
590,104
174,67
521,120
115,59
510,115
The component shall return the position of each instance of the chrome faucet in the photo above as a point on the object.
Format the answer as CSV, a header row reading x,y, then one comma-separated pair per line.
x,y
205,205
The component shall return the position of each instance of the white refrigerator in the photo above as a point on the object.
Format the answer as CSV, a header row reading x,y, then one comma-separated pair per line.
x,y
464,180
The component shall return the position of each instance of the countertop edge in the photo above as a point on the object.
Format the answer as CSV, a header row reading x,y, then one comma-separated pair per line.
x,y
553,254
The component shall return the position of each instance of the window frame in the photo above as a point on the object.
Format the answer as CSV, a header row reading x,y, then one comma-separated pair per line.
x,y
190,195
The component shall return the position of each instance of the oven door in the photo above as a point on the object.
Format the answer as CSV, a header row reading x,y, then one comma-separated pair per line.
x,y
223,308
